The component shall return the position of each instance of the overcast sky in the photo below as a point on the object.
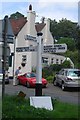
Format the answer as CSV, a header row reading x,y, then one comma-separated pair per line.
x,y
54,9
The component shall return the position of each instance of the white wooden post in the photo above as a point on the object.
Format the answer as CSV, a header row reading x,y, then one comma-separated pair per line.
x,y
38,88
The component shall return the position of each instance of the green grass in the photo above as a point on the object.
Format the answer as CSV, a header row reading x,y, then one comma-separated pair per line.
x,y
0,107
16,107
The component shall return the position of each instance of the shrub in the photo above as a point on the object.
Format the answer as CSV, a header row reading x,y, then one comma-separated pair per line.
x,y
66,64
50,79
49,71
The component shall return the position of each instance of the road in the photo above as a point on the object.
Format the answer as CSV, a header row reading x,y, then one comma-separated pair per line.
x,y
51,90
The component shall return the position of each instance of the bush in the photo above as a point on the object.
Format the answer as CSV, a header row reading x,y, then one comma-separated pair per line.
x,y
46,71
66,64
50,79
49,71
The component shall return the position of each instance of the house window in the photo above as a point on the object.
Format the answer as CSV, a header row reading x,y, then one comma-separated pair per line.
x,y
24,58
52,61
61,61
10,59
44,60
57,61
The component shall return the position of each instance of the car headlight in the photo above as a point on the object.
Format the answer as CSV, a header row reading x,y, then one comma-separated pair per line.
x,y
68,79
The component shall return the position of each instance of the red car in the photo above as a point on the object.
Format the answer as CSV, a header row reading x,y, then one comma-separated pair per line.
x,y
29,79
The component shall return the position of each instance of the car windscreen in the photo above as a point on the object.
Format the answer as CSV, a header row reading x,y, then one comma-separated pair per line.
x,y
75,73
33,75
30,75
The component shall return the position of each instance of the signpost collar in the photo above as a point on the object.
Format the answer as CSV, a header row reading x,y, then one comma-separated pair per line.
x,y
39,34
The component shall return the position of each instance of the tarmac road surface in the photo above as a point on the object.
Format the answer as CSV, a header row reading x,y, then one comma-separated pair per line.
x,y
51,90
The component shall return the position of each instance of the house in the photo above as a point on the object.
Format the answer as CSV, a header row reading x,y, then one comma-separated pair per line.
x,y
22,51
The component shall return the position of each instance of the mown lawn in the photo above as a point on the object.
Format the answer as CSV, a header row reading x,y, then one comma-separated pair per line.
x,y
0,107
16,107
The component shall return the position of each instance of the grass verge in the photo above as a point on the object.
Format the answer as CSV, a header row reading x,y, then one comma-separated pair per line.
x,y
15,107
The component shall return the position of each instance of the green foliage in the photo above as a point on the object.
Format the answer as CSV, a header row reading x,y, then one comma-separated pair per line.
x,y
49,71
78,39
17,108
63,28
68,32
33,69
74,56
50,79
69,41
46,71
66,64
16,15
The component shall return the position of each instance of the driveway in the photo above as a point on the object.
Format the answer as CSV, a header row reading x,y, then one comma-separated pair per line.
x,y
51,90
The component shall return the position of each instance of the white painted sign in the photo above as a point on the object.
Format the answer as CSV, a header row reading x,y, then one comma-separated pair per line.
x,y
41,102
57,48
49,49
26,49
60,47
31,38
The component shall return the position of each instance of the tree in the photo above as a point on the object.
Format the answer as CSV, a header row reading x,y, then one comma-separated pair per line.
x,y
53,27
66,64
16,15
63,28
78,38
69,41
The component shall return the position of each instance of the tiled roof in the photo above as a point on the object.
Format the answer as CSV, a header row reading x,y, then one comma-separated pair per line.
x,y
39,26
17,25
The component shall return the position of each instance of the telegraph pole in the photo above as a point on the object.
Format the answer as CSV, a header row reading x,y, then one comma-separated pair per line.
x,y
38,89
4,55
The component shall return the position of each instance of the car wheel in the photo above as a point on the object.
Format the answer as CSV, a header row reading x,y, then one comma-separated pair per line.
x,y
8,82
28,85
55,83
63,87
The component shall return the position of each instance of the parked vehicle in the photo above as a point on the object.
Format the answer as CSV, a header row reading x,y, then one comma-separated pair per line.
x,y
29,79
67,78
6,77
1,76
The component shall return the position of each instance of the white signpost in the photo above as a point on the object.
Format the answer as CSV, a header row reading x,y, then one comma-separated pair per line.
x,y
39,100
38,90
57,48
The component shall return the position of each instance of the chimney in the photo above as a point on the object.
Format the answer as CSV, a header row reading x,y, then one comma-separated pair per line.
x,y
31,21
48,37
47,21
42,19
